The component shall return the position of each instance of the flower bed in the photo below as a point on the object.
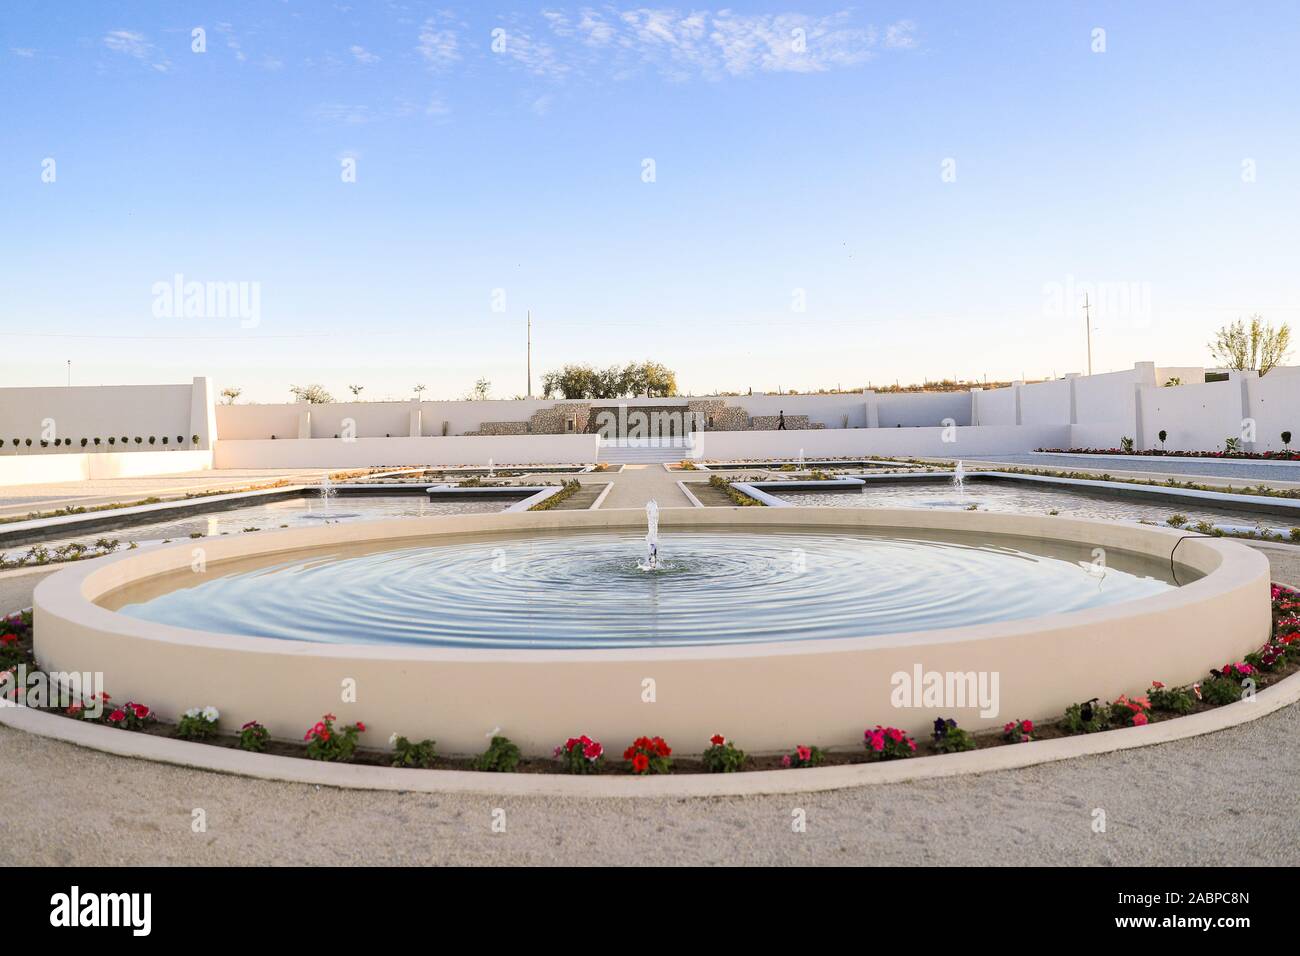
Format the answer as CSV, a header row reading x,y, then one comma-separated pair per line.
x,y
1287,455
1235,680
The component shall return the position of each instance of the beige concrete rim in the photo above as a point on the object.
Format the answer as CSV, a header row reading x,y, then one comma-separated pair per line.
x,y
753,783
767,696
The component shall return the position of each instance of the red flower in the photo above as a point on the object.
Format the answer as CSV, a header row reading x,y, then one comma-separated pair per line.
x,y
1027,726
717,740
361,727
117,716
640,763
8,638
140,711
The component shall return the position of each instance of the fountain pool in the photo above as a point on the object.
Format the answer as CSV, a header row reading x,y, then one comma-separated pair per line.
x,y
594,590
776,625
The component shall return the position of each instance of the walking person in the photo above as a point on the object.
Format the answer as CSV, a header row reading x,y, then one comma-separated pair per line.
x,y
780,421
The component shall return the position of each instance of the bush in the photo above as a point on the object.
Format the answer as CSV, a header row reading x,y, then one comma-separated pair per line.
x,y
1176,520
253,737
581,754
1170,700
888,743
1018,731
198,723
951,739
1130,711
649,755
324,742
501,756
722,756
803,756
1084,718
133,716
407,754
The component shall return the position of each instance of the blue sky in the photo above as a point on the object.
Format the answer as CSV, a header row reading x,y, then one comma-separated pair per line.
x,y
1160,173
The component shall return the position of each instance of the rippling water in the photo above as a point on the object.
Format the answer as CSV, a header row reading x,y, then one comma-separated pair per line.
x,y
1025,499
585,589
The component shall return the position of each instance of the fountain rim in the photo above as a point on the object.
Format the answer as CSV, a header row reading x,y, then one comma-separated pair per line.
x,y
70,595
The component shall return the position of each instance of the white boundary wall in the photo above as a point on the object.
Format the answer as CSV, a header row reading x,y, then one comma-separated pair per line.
x,y
839,443
50,469
363,452
98,411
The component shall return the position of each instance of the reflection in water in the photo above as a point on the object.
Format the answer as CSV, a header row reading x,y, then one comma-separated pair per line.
x,y
588,589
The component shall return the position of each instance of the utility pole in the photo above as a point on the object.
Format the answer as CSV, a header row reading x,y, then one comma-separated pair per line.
x,y
1087,324
530,353
69,373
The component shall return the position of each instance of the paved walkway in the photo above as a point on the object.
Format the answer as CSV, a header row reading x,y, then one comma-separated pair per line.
x,y
637,484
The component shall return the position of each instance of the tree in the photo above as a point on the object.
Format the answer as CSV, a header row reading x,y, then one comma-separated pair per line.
x,y
479,393
635,378
1255,347
418,390
356,390
231,393
312,394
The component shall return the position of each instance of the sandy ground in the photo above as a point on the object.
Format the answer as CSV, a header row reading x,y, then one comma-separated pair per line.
x,y
1227,799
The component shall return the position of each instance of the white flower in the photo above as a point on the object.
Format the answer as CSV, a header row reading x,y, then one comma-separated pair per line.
x,y
192,712
210,714
392,741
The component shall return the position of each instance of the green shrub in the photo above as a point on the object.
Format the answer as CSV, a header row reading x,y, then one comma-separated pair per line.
x,y
501,756
951,739
407,754
722,756
1220,690
253,737
1170,700
198,723
1086,718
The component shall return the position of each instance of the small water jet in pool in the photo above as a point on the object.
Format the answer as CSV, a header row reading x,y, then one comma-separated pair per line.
x,y
326,499
959,478
651,536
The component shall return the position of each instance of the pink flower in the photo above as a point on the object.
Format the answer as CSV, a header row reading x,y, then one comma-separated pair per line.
x,y
804,753
1139,719
785,761
877,741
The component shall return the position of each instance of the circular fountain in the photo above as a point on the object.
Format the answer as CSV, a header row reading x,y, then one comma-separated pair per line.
x,y
780,625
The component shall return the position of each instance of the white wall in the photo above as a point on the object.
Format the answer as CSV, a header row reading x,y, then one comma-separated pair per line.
x,y
839,443
364,452
98,411
919,409
1274,403
1044,403
43,469
997,406
828,410
1197,417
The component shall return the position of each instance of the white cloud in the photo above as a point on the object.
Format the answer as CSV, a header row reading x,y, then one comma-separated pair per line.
x,y
436,106
542,105
347,114
135,45
25,52
128,42
714,44
898,36
438,44
362,55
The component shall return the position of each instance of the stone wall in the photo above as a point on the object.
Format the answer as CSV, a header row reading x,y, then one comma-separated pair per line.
x,y
792,423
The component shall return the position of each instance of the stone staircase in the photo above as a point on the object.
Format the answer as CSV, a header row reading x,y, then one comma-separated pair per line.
x,y
644,451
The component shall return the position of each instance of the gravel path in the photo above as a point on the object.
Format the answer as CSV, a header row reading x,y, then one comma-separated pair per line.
x,y
1228,798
